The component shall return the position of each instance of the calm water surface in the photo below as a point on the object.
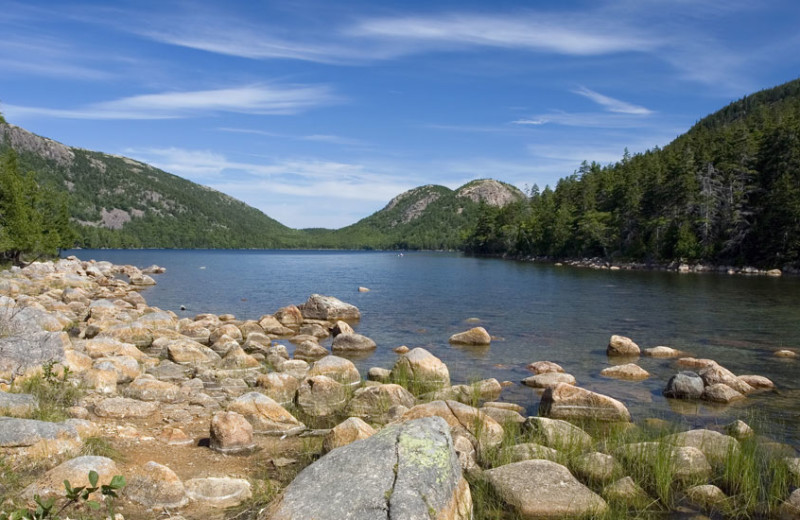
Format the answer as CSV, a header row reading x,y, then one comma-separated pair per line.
x,y
536,312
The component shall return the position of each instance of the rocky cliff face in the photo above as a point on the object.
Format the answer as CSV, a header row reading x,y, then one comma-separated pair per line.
x,y
23,141
491,192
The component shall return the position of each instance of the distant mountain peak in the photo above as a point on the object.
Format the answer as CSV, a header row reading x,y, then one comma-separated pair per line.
x,y
491,192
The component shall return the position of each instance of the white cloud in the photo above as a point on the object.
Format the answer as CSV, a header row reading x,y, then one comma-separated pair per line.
x,y
611,104
527,31
250,99
583,119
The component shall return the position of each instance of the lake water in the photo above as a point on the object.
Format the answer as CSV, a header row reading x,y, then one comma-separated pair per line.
x,y
535,311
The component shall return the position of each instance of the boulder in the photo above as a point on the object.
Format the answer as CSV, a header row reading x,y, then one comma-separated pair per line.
x,y
539,489
310,351
717,374
628,371
685,385
104,347
17,433
319,307
321,396
341,327
662,352
373,402
758,382
484,390
482,430
20,353
622,346
218,492
380,375
156,486
543,367
559,434
549,380
226,329
337,368
570,402
134,333
786,353
265,415
409,470
314,329
626,491
280,387
126,367
231,433
698,364
270,325
708,497
191,352
420,371
236,357
687,463
125,408
352,343
714,445
503,416
296,368
290,317
76,471
721,393
17,404
346,432
528,451
147,388
596,467
476,336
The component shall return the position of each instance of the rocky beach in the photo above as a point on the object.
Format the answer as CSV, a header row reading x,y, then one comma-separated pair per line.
x,y
216,417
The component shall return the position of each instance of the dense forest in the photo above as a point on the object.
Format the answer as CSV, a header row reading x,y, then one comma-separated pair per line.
x,y
727,191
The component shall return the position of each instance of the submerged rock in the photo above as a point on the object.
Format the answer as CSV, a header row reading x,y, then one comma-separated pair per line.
x,y
476,336
622,346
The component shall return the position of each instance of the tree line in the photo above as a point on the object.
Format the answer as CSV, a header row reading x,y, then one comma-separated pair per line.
x,y
727,191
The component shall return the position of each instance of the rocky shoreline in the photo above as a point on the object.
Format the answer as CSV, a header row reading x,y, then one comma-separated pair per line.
x,y
211,417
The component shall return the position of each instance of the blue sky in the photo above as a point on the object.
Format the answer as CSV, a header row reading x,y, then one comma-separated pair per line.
x,y
319,112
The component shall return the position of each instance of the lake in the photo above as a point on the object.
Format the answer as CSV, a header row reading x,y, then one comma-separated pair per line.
x,y
535,312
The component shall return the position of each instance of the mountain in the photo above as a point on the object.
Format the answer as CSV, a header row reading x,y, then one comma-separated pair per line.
x,y
726,192
119,202
427,217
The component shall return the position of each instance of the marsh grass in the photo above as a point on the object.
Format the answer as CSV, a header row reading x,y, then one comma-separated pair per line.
x,y
101,447
54,391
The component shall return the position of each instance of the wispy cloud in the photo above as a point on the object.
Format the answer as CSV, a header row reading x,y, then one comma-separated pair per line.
x,y
320,138
583,119
528,31
251,99
611,104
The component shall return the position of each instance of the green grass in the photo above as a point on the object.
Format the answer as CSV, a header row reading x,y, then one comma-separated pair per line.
x,y
54,392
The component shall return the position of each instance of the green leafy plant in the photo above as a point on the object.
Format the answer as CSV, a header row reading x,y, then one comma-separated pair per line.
x,y
74,497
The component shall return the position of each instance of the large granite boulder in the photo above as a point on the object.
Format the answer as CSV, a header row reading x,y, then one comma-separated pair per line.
x,y
231,433
17,404
280,387
319,307
715,374
558,434
409,470
374,402
716,446
156,486
570,402
346,432
76,471
539,489
321,396
337,368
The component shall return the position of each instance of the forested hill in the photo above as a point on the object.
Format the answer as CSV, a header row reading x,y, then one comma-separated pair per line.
x,y
427,217
727,191
118,202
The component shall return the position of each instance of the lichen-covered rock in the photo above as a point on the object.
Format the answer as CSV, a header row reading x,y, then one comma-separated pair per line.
x,y
477,336
19,353
539,489
124,407
570,402
17,404
409,470
622,346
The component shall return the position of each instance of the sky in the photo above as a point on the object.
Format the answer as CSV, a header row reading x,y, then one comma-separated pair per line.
x,y
318,113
